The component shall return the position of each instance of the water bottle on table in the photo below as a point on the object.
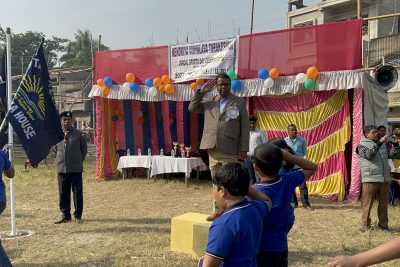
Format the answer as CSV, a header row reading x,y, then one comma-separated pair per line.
x,y
139,152
128,152
149,152
161,152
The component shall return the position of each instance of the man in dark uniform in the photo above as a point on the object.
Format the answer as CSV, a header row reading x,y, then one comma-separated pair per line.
x,y
70,155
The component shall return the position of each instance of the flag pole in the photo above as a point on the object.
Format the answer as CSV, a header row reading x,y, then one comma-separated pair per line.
x,y
10,130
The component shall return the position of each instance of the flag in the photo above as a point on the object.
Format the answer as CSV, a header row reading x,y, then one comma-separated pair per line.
x,y
3,98
33,114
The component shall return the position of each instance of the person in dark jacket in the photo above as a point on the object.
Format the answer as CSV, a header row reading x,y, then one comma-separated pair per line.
x,y
71,153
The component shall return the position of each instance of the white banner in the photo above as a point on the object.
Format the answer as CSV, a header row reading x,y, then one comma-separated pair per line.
x,y
203,60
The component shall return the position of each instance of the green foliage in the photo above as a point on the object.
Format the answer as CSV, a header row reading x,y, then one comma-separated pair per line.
x,y
24,45
79,52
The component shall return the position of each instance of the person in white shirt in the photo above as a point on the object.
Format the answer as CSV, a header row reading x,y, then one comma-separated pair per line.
x,y
257,137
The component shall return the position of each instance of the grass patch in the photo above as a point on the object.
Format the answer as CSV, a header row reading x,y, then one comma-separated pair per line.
x,y
127,223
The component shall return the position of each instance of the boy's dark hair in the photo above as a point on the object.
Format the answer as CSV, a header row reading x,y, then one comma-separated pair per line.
x,y
281,143
234,177
268,158
369,128
252,118
381,127
223,75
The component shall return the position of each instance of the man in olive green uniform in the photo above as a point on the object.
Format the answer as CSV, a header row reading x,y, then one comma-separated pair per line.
x,y
71,153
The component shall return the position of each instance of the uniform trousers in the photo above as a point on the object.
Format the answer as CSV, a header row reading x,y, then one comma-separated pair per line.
x,y
66,183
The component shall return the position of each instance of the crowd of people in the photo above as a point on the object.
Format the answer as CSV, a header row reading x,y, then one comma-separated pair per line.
x,y
254,181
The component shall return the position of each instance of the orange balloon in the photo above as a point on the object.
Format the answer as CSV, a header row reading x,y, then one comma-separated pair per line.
x,y
162,88
312,72
169,89
274,73
165,79
157,82
200,82
100,82
105,90
130,77
193,86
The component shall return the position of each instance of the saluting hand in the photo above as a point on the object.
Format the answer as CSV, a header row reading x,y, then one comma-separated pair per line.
x,y
208,86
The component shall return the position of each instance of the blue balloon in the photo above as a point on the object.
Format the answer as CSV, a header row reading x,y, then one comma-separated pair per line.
x,y
149,82
114,118
199,87
236,85
107,81
133,86
263,74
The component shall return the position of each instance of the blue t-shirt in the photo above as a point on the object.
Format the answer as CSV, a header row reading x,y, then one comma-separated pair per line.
x,y
235,236
291,218
280,190
5,164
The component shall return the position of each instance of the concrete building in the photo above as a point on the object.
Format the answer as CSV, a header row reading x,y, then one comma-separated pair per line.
x,y
381,39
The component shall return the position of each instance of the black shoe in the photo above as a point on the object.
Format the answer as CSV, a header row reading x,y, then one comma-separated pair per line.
x,y
63,220
386,229
78,220
364,229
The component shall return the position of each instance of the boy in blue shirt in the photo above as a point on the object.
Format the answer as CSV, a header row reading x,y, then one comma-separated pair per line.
x,y
267,162
234,237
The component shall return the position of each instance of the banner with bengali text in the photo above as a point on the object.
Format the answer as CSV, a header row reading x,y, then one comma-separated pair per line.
x,y
203,60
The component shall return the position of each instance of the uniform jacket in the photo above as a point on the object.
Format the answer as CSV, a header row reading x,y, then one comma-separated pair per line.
x,y
226,136
71,152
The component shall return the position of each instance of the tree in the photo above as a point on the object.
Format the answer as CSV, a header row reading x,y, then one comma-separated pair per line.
x,y
24,45
78,53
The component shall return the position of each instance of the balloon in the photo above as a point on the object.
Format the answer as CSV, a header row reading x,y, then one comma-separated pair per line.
x,y
162,88
165,79
157,82
149,82
107,81
200,81
114,118
152,91
263,73
100,82
134,87
301,78
193,86
169,89
199,87
312,72
309,84
236,85
269,82
130,77
105,90
274,73
125,87
232,74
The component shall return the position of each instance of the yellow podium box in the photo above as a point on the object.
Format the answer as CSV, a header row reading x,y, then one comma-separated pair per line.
x,y
189,234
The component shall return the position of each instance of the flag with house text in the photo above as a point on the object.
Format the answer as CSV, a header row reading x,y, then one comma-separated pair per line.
x,y
33,114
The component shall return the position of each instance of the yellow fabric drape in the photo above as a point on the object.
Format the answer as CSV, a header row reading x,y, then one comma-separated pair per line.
x,y
111,143
102,150
279,121
331,145
329,185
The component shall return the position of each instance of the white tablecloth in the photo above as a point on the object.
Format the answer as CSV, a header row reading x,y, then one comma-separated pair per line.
x,y
166,164
134,162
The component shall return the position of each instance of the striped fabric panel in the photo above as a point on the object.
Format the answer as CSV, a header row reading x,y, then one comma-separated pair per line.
x,y
153,127
159,125
180,122
146,128
166,124
99,139
292,103
128,126
318,133
137,127
305,119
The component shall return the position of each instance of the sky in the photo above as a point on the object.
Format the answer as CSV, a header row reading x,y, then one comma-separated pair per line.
x,y
126,24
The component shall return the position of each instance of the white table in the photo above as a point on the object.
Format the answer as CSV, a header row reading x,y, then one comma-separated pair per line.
x,y
166,164
134,162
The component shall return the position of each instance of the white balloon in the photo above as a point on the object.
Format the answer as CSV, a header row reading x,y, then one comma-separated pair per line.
x,y
301,78
152,91
268,83
125,87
